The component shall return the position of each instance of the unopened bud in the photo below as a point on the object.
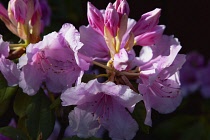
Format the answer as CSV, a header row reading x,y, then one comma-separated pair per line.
x,y
111,19
95,18
122,7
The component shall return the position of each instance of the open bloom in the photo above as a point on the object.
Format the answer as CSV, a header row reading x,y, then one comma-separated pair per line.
x,y
7,67
159,76
52,61
102,104
113,34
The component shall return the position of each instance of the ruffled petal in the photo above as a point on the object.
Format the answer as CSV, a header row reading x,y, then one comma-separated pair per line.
x,y
10,71
83,123
121,125
30,79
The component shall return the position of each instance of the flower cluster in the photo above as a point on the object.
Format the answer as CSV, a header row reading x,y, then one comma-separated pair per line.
x,y
59,63
193,75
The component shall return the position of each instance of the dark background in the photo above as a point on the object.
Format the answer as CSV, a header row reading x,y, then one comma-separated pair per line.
x,y
188,20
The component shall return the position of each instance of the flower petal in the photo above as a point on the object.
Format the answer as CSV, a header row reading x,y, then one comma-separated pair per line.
x,y
30,79
10,71
94,44
83,123
121,126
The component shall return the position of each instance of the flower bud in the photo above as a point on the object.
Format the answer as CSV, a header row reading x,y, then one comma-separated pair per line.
x,y
19,11
95,18
122,7
111,19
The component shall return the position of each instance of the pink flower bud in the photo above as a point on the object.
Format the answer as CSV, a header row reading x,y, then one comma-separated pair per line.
x,y
111,19
3,12
17,10
122,7
95,18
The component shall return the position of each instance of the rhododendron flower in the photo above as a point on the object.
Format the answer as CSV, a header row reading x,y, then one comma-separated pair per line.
x,y
53,60
190,72
26,19
113,35
46,13
159,76
102,104
7,67
204,80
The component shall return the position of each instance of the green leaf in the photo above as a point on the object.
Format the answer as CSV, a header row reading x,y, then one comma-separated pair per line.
x,y
40,118
13,133
4,105
5,94
21,103
139,114
5,91
55,103
3,81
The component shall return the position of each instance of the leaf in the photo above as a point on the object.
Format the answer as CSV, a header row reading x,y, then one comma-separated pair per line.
x,y
4,105
21,103
3,81
40,118
55,103
5,91
139,114
13,133
5,94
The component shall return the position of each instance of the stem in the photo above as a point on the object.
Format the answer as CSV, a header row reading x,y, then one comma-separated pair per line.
x,y
102,75
101,65
129,73
17,45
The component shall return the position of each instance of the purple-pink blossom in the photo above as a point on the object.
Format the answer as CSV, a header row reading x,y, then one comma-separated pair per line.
x,y
113,34
203,78
159,76
102,105
26,18
7,67
190,72
54,61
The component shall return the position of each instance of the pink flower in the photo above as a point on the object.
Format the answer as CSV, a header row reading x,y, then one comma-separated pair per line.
x,y
102,105
51,61
26,18
122,7
7,67
146,30
204,81
113,34
95,18
191,71
159,76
